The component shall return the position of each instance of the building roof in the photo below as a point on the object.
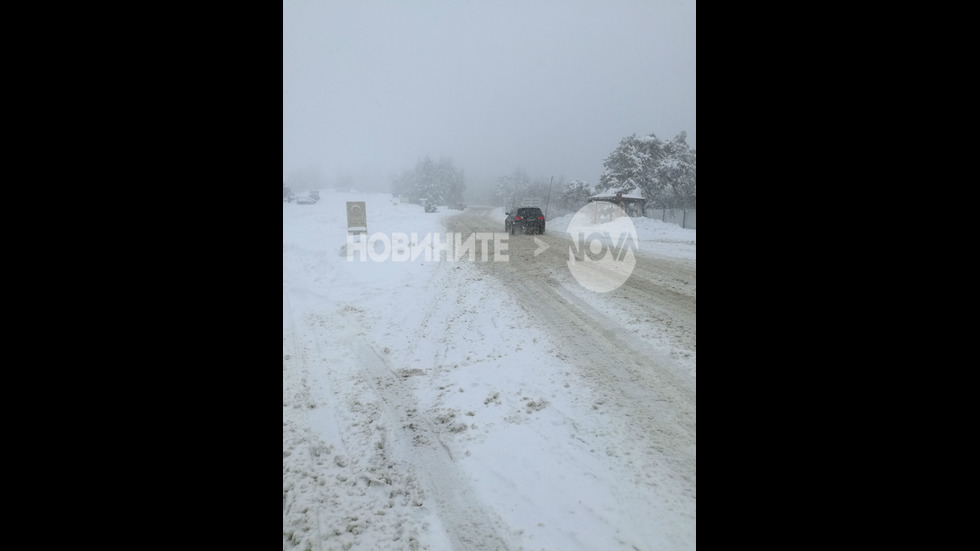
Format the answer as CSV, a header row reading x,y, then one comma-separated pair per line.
x,y
628,197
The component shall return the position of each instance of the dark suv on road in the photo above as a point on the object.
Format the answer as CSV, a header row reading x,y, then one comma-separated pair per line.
x,y
525,220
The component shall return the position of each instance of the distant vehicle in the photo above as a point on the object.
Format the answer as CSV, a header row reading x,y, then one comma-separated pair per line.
x,y
287,194
431,207
306,199
525,220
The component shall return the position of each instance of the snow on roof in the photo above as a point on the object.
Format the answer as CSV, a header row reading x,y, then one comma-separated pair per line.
x,y
613,197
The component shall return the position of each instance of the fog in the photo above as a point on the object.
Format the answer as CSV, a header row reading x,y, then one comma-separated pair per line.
x,y
549,87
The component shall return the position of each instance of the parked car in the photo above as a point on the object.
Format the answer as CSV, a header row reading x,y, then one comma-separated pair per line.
x,y
525,220
305,199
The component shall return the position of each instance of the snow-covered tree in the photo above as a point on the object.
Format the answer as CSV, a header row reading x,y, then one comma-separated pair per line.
x,y
451,182
431,182
664,172
676,175
626,167
572,196
511,188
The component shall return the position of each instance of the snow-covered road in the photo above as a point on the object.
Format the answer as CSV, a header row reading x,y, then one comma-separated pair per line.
x,y
470,405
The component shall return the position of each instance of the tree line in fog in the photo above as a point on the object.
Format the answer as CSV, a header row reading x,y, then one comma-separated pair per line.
x,y
664,172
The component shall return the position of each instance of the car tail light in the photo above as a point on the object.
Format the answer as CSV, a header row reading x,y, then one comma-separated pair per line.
x,y
518,218
541,218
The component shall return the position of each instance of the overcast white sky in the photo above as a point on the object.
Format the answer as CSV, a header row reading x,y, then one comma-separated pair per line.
x,y
548,86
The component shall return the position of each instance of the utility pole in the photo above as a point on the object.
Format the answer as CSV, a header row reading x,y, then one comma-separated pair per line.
x,y
548,202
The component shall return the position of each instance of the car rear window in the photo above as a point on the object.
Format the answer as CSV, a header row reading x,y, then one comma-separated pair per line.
x,y
529,212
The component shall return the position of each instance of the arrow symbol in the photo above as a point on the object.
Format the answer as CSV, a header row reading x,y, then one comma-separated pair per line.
x,y
542,246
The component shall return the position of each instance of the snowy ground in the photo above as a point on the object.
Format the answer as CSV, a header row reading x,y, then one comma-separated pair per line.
x,y
423,410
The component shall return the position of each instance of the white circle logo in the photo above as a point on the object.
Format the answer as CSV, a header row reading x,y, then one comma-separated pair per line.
x,y
604,242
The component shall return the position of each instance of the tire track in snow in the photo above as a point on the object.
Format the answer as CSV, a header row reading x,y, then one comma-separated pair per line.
x,y
468,524
298,491
645,387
